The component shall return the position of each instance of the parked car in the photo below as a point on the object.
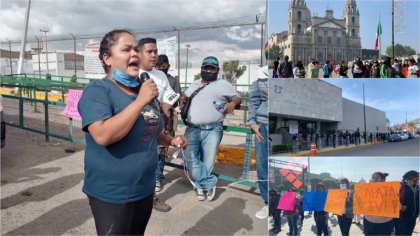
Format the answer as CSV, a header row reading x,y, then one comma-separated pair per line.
x,y
3,124
394,138
404,136
410,135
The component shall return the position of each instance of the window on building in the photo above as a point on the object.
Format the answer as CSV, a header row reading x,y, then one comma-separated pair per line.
x,y
320,39
338,41
353,33
299,15
329,40
299,29
353,20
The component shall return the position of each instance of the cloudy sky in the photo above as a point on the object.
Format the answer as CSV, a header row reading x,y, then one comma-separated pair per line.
x,y
369,17
96,17
394,96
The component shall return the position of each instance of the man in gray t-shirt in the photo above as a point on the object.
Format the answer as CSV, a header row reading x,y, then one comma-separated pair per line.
x,y
205,125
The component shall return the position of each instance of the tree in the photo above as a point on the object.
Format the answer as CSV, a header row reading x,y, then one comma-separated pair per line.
x,y
273,52
233,71
330,183
197,76
73,79
314,182
401,51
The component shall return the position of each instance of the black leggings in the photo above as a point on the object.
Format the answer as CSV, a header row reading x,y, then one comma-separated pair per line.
x,y
121,219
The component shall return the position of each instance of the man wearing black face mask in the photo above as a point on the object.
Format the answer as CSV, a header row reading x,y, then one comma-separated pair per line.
x,y
163,65
205,125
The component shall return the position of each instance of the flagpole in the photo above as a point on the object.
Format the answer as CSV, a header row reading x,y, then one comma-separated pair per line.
x,y
379,38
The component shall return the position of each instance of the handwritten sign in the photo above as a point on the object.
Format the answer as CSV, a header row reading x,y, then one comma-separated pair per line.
x,y
336,201
377,199
73,98
314,201
287,201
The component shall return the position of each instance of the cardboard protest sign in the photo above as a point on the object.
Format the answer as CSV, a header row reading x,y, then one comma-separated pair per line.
x,y
287,201
73,98
377,199
314,201
336,201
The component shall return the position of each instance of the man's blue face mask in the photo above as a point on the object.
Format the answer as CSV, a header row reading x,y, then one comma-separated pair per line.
x,y
124,79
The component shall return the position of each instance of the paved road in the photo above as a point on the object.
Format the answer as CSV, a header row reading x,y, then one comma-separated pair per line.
x,y
405,148
41,195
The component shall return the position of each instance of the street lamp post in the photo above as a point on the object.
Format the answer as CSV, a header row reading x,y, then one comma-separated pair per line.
x,y
45,30
39,60
10,56
74,55
393,48
186,64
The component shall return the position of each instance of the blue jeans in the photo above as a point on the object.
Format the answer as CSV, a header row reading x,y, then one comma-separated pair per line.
x,y
292,221
261,156
161,164
201,153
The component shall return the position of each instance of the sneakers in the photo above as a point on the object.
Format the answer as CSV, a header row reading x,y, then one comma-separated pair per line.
x,y
200,194
211,193
263,213
160,206
158,186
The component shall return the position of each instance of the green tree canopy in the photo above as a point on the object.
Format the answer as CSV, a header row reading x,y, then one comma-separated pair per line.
x,y
197,76
273,52
233,71
401,51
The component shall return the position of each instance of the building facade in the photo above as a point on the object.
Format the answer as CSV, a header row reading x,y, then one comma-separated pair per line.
x,y
322,38
310,106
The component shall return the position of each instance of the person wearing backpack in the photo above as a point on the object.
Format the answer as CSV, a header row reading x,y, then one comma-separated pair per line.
x,y
409,200
321,217
326,69
286,68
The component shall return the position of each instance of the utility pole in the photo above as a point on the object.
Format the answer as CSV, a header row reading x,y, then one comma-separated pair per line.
x,y
25,33
186,64
10,56
74,55
45,30
364,106
393,48
39,60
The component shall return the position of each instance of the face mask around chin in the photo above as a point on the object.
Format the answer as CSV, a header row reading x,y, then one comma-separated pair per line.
x,y
208,76
124,79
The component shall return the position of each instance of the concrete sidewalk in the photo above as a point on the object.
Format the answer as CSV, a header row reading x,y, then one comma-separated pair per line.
x,y
41,195
324,150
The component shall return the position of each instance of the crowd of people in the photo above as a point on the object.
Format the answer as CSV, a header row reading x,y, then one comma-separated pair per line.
x,y
371,225
388,68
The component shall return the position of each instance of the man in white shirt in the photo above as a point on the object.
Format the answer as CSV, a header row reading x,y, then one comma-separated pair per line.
x,y
148,55
413,70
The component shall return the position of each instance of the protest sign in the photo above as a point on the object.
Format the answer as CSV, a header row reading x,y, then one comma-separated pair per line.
x,y
377,199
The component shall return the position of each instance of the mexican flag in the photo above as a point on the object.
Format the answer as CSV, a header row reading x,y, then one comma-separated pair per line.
x,y
378,35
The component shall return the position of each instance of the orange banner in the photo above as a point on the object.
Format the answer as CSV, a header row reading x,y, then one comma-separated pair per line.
x,y
336,200
377,199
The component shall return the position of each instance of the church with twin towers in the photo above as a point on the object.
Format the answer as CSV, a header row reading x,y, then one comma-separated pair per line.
x,y
320,37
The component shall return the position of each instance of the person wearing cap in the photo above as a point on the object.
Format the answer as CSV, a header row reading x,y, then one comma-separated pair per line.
x,y
148,54
163,65
409,200
205,125
258,122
